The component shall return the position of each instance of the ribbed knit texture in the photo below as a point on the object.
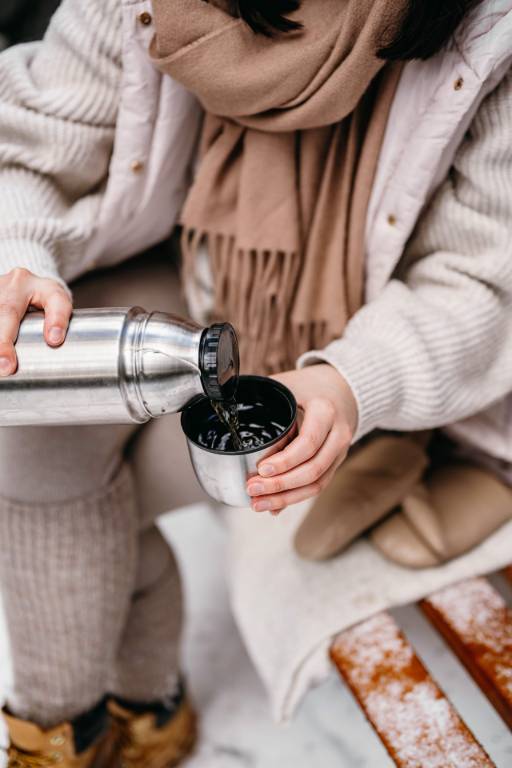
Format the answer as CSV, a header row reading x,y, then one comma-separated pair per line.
x,y
58,108
68,573
148,662
435,347
92,606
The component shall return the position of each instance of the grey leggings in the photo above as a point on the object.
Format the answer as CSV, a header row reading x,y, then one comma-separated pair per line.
x,y
90,588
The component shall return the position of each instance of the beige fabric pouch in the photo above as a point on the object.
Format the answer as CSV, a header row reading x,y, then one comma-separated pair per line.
x,y
367,487
456,508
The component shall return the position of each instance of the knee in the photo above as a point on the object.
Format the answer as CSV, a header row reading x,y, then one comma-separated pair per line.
x,y
55,464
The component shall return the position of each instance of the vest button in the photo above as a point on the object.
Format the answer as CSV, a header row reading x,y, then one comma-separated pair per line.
x,y
137,166
392,220
145,18
458,84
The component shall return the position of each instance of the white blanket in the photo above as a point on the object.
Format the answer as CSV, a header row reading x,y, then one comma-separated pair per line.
x,y
288,610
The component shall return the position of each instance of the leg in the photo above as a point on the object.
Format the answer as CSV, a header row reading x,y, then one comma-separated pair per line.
x,y
147,667
68,559
148,662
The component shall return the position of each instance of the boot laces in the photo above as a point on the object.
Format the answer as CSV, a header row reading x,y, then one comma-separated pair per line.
x,y
19,759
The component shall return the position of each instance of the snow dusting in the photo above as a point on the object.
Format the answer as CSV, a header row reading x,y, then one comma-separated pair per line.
x,y
480,618
416,722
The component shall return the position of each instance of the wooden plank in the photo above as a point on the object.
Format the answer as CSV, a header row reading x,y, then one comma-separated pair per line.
x,y
414,719
476,622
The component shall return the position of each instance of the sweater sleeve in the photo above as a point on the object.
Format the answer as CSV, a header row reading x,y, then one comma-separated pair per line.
x,y
435,347
58,107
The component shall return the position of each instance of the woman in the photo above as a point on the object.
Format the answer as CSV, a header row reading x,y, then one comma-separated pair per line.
x,y
326,166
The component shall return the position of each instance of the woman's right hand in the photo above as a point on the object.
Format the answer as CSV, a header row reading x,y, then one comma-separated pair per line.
x,y
19,290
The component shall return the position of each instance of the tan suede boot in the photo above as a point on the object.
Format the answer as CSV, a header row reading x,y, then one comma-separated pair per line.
x,y
33,747
142,744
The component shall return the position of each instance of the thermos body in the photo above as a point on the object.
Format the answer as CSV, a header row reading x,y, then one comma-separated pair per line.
x,y
116,366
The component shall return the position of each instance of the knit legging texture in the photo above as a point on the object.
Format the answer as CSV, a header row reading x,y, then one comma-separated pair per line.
x,y
146,667
67,571
91,604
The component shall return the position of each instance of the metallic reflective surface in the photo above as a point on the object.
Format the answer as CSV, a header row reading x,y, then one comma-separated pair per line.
x,y
167,364
116,366
223,475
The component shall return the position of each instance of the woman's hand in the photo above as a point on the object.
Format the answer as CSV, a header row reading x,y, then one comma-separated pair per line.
x,y
19,290
308,463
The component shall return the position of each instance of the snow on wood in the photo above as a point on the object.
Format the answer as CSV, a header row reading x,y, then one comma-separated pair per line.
x,y
417,724
477,623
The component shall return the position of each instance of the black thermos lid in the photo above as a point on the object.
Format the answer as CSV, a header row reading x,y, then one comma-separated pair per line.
x,y
219,361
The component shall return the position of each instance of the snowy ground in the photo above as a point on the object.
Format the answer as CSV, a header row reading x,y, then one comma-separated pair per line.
x,y
329,731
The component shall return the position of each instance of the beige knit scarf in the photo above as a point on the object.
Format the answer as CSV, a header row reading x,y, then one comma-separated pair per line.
x,y
293,130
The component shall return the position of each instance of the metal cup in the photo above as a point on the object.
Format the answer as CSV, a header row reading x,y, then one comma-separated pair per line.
x,y
224,474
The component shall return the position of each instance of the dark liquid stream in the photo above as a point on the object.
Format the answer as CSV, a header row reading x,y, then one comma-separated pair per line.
x,y
239,427
227,413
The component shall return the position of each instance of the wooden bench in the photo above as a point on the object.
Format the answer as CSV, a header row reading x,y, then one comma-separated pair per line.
x,y
417,723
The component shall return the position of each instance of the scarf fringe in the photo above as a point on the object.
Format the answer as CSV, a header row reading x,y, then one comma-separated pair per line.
x,y
255,291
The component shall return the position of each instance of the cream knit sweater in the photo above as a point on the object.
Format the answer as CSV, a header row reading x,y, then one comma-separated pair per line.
x,y
434,347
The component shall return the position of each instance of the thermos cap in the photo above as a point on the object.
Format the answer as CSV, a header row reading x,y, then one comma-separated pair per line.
x,y
219,361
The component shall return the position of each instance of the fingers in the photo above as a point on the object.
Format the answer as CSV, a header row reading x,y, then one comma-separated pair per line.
x,y
277,503
57,311
333,451
20,289
13,305
318,421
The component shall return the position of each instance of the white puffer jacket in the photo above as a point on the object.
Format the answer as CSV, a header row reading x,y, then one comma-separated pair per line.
x,y
96,149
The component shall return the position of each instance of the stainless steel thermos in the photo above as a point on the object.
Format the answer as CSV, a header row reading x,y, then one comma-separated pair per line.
x,y
117,366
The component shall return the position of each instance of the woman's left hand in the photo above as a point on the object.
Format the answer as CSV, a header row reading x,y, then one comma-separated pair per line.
x,y
308,463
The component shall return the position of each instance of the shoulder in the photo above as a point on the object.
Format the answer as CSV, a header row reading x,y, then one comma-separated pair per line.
x,y
483,40
87,29
88,17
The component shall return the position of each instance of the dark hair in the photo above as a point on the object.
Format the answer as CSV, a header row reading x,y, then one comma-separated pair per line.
x,y
267,16
427,28
428,25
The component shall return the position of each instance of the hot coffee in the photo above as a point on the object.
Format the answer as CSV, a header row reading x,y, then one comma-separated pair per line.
x,y
227,414
263,421
239,427
258,416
